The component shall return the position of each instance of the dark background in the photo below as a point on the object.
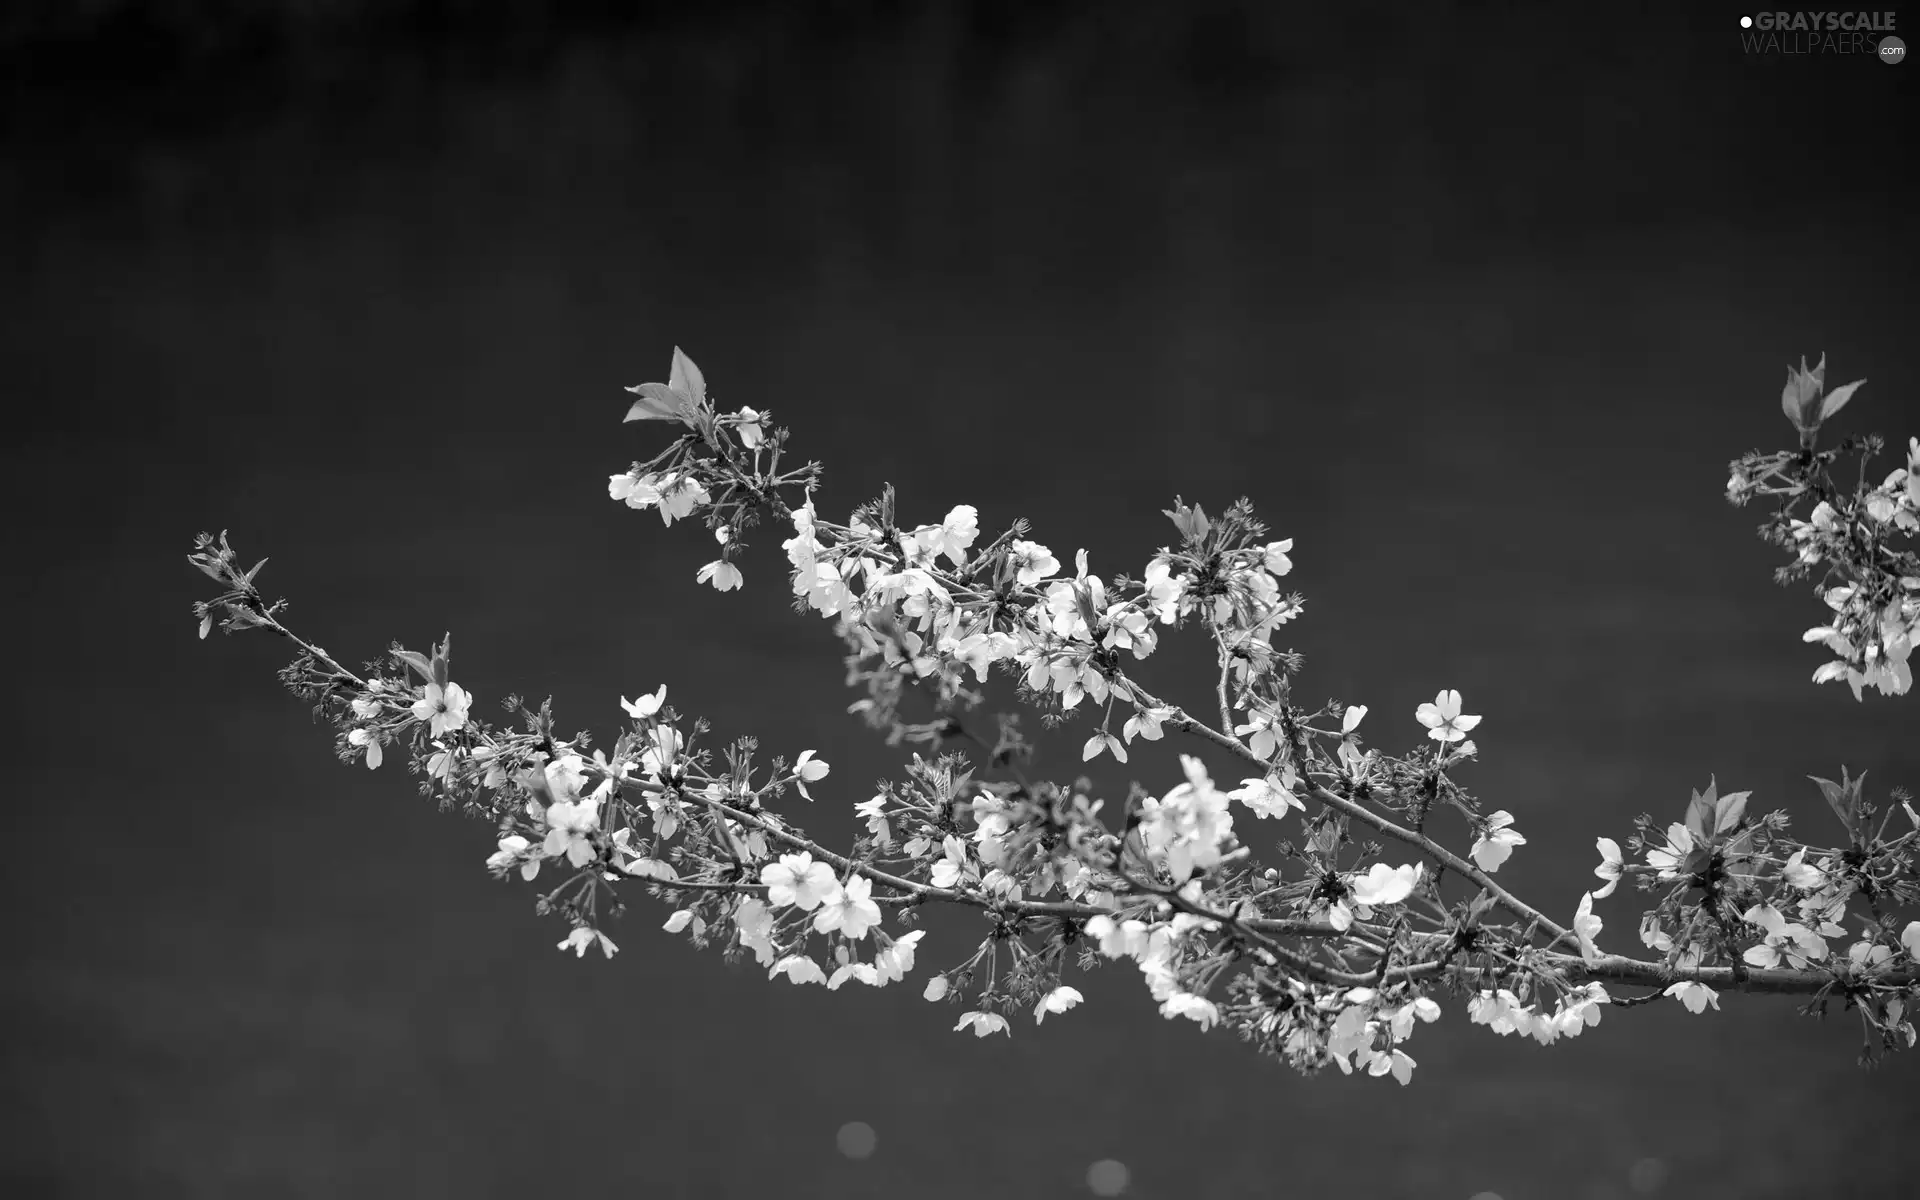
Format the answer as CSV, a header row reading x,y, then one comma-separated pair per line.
x,y
1475,302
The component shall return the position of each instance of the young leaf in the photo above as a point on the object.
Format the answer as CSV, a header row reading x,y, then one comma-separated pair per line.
x,y
256,570
686,378
678,399
1700,811
1728,813
418,662
1838,397
1796,396
1191,522
657,402
1839,799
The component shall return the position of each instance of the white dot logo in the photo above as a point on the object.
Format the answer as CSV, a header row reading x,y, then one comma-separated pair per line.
x,y
1746,22
1108,1177
856,1140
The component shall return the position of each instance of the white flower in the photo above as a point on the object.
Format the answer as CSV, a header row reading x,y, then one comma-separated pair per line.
x,y
848,908
570,827
1163,590
936,988
1190,824
1867,957
1495,845
1058,1000
724,575
369,739
853,970
983,1024
512,847
1103,741
1586,927
1146,724
443,710
645,706
636,491
1800,875
1115,938
1910,938
1609,868
662,751
680,494
1696,996
806,770
892,963
1267,734
1397,1061
1266,797
1795,945
1349,752
797,880
749,428
1385,885
1034,562
683,918
583,937
952,536
1443,718
1277,562
1186,1004
954,867
798,969
1669,859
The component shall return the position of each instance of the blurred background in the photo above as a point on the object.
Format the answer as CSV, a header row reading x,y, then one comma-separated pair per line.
x,y
1475,302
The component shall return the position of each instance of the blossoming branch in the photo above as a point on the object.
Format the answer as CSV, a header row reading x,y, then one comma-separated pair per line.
x,y
1360,925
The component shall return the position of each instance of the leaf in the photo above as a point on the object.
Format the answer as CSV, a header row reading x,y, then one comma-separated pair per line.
x,y
688,381
441,654
1700,811
1794,397
1190,521
1838,799
256,570
1728,813
1838,397
418,662
657,402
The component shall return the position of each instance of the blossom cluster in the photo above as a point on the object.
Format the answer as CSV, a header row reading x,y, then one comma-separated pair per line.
x,y
1330,962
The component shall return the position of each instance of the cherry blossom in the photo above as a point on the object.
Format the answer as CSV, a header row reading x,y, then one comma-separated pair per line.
x,y
1586,927
983,1023
1058,1000
797,880
1610,866
444,709
1495,844
645,706
583,937
849,909
722,574
798,969
370,739
807,769
1443,718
